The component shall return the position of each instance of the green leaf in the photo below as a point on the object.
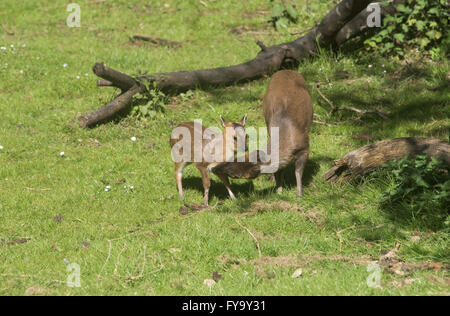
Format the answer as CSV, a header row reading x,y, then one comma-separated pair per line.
x,y
277,10
399,36
420,25
292,12
281,23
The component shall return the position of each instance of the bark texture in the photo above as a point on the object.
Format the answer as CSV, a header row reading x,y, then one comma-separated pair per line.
x,y
364,160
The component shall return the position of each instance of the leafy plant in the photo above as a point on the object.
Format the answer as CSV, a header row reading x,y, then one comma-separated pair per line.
x,y
420,187
149,104
283,15
417,24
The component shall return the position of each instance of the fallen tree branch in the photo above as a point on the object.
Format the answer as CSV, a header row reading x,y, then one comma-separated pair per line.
x,y
359,23
364,160
268,60
119,103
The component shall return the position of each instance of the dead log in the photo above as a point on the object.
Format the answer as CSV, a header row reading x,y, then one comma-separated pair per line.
x,y
108,110
268,60
364,160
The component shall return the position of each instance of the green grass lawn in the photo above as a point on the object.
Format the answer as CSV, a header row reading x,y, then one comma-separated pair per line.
x,y
136,242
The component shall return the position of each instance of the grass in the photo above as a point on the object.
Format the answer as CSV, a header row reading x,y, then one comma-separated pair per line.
x,y
135,242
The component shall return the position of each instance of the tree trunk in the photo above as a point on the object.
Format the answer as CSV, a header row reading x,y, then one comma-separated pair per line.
x,y
364,160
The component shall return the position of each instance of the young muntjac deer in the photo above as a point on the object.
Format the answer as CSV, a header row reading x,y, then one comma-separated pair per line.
x,y
204,151
287,106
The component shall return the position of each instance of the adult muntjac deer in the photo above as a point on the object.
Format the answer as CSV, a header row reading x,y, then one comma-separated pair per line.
x,y
206,150
287,107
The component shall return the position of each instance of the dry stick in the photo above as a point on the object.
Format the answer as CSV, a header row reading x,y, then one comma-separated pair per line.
x,y
99,276
304,31
384,116
325,98
156,40
341,240
351,108
118,260
251,234
6,30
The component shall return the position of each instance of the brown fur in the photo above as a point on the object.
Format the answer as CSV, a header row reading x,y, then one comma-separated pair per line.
x,y
287,105
204,166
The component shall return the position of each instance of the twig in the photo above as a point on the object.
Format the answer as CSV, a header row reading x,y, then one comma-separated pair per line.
x,y
384,116
303,32
251,234
351,108
324,123
156,40
118,260
107,259
341,240
6,30
325,98
39,189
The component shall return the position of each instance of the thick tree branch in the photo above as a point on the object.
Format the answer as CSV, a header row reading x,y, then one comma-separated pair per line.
x,y
268,60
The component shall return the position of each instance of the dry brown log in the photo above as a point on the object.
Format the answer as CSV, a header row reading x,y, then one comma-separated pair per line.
x,y
269,59
364,160
108,110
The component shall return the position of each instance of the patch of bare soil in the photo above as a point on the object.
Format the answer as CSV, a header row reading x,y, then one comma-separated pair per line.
x,y
314,215
37,290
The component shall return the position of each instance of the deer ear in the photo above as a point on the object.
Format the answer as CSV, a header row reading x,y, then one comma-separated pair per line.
x,y
224,121
244,120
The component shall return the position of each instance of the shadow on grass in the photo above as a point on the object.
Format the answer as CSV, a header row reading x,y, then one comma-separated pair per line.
x,y
245,189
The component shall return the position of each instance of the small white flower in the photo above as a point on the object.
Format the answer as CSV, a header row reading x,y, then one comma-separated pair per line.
x,y
131,187
106,190
384,71
12,46
86,75
62,154
24,45
1,147
370,66
133,139
108,187
65,65
78,77
3,48
320,69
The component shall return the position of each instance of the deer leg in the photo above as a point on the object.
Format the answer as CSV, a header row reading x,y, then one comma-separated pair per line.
x,y
226,182
178,178
299,167
206,184
279,179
